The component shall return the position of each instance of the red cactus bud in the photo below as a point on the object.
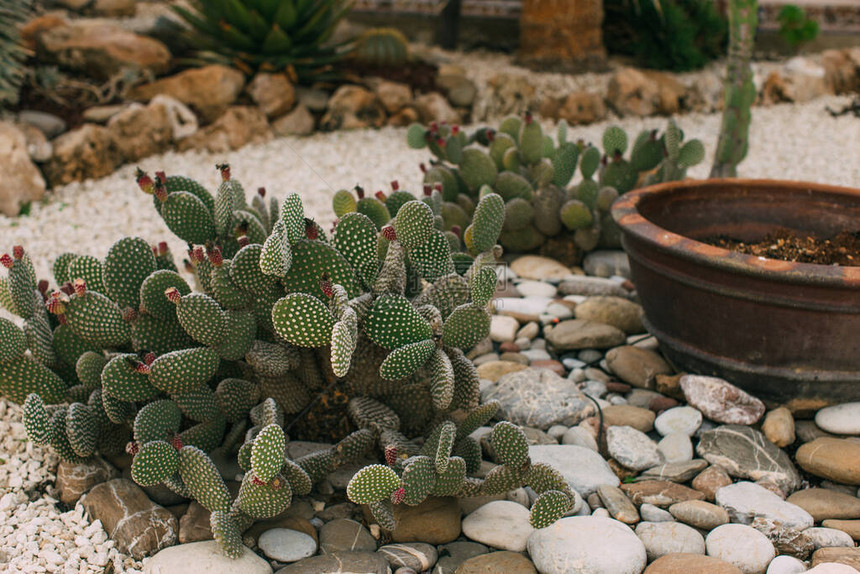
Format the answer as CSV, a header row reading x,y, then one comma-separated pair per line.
x,y
176,442
491,135
128,314
243,241
261,191
395,185
359,191
144,181
438,186
604,160
7,261
422,167
224,168
434,127
391,455
215,257
67,288
455,129
197,254
398,495
456,230
380,196
173,294
148,357
311,231
132,448
160,191
257,481
617,156
80,287
162,177
440,142
528,118
428,189
163,249
389,233
43,287
326,286
141,368
18,252
54,305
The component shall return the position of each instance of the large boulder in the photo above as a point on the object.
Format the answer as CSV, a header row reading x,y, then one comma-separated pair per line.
x,y
85,153
353,107
238,127
208,90
100,49
20,179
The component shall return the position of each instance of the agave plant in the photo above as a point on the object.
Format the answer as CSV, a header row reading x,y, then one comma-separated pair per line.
x,y
268,34
12,53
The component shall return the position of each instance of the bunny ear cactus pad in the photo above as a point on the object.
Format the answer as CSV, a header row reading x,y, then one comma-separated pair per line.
x,y
154,463
487,223
344,337
188,218
549,507
128,263
419,479
158,420
97,320
24,375
184,370
152,298
261,499
122,380
432,259
37,421
13,342
313,258
614,141
277,256
356,238
267,455
405,360
372,484
203,480
482,286
394,322
343,202
226,532
509,442
466,325
200,315
413,224
293,216
303,320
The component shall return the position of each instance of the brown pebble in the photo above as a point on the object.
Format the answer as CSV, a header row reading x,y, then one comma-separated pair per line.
x,y
670,385
660,404
617,387
847,556
553,366
509,347
710,480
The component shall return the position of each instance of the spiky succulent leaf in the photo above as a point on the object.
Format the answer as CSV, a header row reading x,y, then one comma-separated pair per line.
x,y
128,263
393,322
188,217
299,480
121,379
13,342
344,337
267,456
184,370
154,463
158,420
303,320
372,484
466,326
37,422
276,257
549,507
225,531
203,480
311,260
152,298
510,445
25,375
405,360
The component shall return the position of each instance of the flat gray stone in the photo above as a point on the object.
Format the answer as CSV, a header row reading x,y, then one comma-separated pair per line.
x,y
345,535
606,263
579,334
581,467
285,545
204,558
678,419
661,538
501,524
721,401
632,448
679,472
742,546
618,505
538,398
746,453
589,286
745,501
416,555
339,563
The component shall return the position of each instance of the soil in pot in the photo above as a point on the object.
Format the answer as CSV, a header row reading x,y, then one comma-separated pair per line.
x,y
788,245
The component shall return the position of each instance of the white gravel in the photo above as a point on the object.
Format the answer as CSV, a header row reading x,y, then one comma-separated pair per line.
x,y
795,142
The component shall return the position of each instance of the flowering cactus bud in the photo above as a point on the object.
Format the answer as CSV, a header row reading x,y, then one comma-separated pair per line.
x,y
176,442
398,495
389,233
380,196
311,231
160,191
172,293
215,257
80,287
261,191
326,286
18,252
162,177
43,287
395,185
7,261
455,129
391,455
456,230
132,448
144,181
224,168
359,191
163,249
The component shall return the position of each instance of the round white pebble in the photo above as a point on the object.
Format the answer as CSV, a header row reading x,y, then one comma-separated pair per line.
x,y
285,545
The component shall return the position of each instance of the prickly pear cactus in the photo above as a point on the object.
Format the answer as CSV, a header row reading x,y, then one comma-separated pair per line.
x,y
357,338
533,175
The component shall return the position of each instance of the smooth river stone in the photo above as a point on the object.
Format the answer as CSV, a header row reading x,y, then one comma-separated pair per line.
x,y
699,514
685,420
205,557
285,545
742,546
501,524
680,472
744,501
632,448
581,467
660,493
691,564
618,505
662,538
831,458
587,545
746,453
538,268
417,556
576,334
619,312
823,503
721,401
636,366
840,419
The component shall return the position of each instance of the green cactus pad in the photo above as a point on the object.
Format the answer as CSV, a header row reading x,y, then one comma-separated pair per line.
x,y
226,532
413,224
466,325
154,463
267,456
531,142
450,481
37,421
576,215
614,141
158,420
245,272
158,336
128,263
97,320
300,482
476,419
549,507
25,375
263,501
60,442
184,370
405,360
40,339
396,200
202,317
121,381
198,405
227,293
466,381
691,153
487,223
202,479
393,323
356,239
242,327
618,173
117,411
564,161
89,368
182,183
89,269
446,294
372,484
271,360
442,174
416,136
510,445
152,298
432,259
469,450
590,162
371,414
312,259
188,217
318,464
447,434
343,202
13,342
344,337
276,258
375,210
236,397
501,479
60,268
303,320
441,380
482,286
419,479
499,147
541,477
477,169
206,435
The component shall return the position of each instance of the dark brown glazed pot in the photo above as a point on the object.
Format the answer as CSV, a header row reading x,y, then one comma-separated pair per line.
x,y
788,333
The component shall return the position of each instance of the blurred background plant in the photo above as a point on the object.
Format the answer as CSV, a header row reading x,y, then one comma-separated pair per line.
x,y
795,27
12,54
269,35
676,35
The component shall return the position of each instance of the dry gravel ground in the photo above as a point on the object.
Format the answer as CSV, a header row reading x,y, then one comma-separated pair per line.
x,y
796,142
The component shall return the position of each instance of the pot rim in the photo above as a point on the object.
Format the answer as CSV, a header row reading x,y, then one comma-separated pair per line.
x,y
625,212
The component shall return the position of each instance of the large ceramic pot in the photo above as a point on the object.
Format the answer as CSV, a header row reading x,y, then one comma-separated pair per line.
x,y
789,333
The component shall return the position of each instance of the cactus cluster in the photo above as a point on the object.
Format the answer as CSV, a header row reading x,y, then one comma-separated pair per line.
x,y
532,173
356,337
